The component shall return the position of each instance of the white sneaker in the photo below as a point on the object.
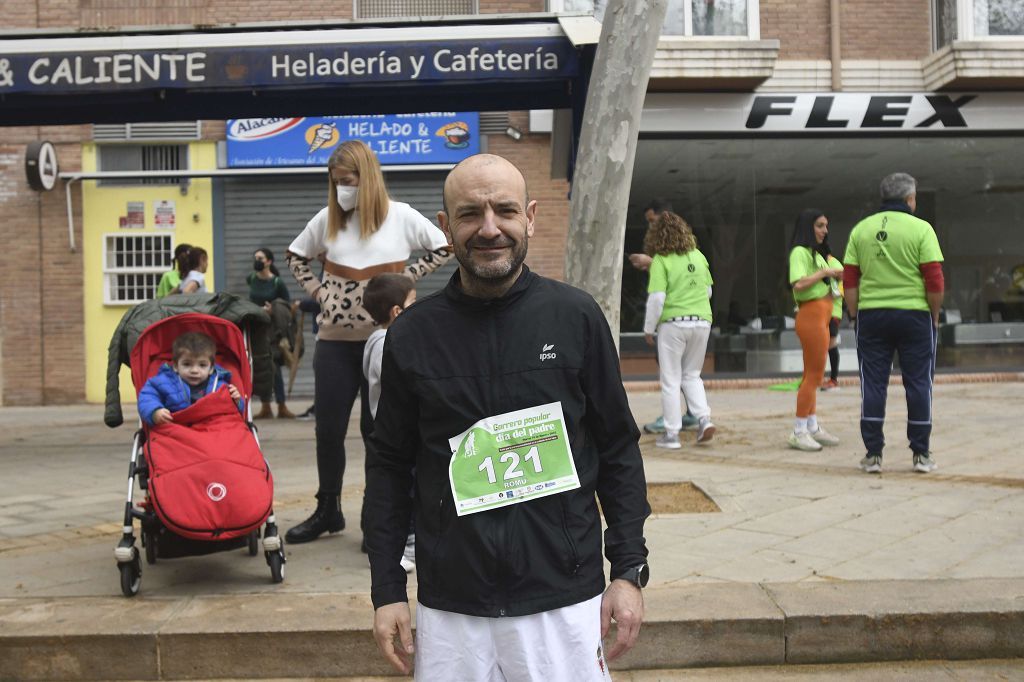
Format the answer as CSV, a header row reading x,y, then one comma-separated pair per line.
x,y
923,463
871,464
803,441
824,437
705,430
668,441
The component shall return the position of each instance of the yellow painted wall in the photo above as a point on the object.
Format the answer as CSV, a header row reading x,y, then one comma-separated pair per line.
x,y
101,209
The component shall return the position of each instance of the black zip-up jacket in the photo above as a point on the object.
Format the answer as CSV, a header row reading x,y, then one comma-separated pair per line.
x,y
451,360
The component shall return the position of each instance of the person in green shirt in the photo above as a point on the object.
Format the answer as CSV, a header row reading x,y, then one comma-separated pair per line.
x,y
172,278
679,309
815,286
642,262
894,290
265,287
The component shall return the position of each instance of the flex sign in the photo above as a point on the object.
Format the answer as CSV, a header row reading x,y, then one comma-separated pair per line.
x,y
325,63
834,113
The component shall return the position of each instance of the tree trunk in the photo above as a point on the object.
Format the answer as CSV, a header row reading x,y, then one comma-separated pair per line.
x,y
604,163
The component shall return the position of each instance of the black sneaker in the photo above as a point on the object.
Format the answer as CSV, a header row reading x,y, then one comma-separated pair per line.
x,y
308,415
923,463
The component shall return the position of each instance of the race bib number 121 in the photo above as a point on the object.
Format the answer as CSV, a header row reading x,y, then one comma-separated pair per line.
x,y
511,458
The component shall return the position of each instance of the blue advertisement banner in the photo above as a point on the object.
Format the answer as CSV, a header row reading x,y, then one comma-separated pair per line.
x,y
399,139
335,64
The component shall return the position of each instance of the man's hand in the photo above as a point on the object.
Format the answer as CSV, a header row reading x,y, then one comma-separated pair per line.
x,y
162,416
234,392
622,602
649,338
393,620
640,261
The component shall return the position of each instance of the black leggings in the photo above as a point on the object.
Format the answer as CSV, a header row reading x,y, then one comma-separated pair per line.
x,y
338,371
833,353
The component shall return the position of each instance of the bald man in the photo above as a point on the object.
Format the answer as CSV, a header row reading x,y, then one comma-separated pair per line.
x,y
503,393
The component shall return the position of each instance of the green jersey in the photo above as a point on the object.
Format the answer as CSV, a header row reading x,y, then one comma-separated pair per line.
x,y
889,248
803,262
685,278
170,279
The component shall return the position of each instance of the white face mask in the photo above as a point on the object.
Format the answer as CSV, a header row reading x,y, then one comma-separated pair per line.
x,y
347,196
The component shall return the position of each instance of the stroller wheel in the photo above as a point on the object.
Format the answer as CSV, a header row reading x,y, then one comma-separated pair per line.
x,y
131,577
149,541
254,543
276,561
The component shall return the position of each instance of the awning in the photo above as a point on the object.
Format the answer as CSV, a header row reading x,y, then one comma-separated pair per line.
x,y
467,64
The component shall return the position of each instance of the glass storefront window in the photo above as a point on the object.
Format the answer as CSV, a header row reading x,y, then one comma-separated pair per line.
x,y
998,18
742,197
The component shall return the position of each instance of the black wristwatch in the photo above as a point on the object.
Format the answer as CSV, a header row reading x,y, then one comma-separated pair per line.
x,y
638,575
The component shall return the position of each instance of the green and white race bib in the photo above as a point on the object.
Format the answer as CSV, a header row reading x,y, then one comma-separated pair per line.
x,y
511,458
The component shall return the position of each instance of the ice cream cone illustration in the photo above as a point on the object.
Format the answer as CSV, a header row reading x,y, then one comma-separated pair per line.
x,y
322,135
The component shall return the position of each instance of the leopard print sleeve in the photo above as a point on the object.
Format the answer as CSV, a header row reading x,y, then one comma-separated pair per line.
x,y
305,277
428,263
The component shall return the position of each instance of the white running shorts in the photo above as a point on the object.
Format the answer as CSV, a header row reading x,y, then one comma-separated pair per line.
x,y
563,645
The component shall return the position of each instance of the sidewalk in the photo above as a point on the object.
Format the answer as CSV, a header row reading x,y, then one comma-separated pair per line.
x,y
796,531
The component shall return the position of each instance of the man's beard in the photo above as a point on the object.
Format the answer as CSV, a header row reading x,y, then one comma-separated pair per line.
x,y
493,270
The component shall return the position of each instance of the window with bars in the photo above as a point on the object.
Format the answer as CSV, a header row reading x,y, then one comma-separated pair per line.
x,y
383,9
133,265
143,157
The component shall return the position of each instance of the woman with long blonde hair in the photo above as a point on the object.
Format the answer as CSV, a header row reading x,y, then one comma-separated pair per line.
x,y
679,311
362,232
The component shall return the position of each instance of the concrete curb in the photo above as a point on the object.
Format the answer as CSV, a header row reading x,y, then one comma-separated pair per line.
x,y
328,635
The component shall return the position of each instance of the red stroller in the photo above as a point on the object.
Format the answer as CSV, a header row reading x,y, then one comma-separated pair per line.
x,y
209,488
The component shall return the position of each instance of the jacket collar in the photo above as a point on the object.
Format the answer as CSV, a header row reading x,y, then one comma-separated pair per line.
x,y
456,294
896,205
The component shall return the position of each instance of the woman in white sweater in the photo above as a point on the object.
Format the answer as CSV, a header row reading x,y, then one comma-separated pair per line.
x,y
362,233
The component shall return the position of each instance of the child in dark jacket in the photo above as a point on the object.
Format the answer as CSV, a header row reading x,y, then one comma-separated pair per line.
x,y
192,375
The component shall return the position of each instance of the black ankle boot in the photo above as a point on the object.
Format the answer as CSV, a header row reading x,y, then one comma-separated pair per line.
x,y
326,519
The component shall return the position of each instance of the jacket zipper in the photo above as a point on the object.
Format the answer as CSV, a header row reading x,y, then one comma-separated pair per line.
x,y
502,545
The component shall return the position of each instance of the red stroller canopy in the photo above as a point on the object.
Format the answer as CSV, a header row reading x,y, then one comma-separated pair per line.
x,y
154,348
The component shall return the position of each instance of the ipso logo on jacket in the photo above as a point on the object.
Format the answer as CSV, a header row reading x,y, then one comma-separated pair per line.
x,y
546,352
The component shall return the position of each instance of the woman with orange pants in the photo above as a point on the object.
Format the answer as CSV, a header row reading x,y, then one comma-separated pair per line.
x,y
815,285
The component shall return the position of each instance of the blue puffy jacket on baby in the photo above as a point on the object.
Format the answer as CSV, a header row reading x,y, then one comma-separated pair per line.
x,y
169,390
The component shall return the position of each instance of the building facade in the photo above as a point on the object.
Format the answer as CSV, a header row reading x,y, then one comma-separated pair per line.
x,y
756,109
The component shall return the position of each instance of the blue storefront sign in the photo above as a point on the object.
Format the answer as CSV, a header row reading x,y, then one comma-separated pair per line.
x,y
327,64
399,139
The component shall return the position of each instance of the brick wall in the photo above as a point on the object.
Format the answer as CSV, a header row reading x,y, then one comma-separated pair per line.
x,y
531,154
41,280
511,6
898,29
803,27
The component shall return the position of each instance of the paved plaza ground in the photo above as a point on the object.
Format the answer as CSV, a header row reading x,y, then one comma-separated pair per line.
x,y
791,524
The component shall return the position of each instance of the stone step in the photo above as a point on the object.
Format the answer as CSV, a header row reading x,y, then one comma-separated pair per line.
x,y
307,635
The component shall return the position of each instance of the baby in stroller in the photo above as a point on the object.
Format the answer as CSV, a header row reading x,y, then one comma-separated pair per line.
x,y
208,486
192,375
